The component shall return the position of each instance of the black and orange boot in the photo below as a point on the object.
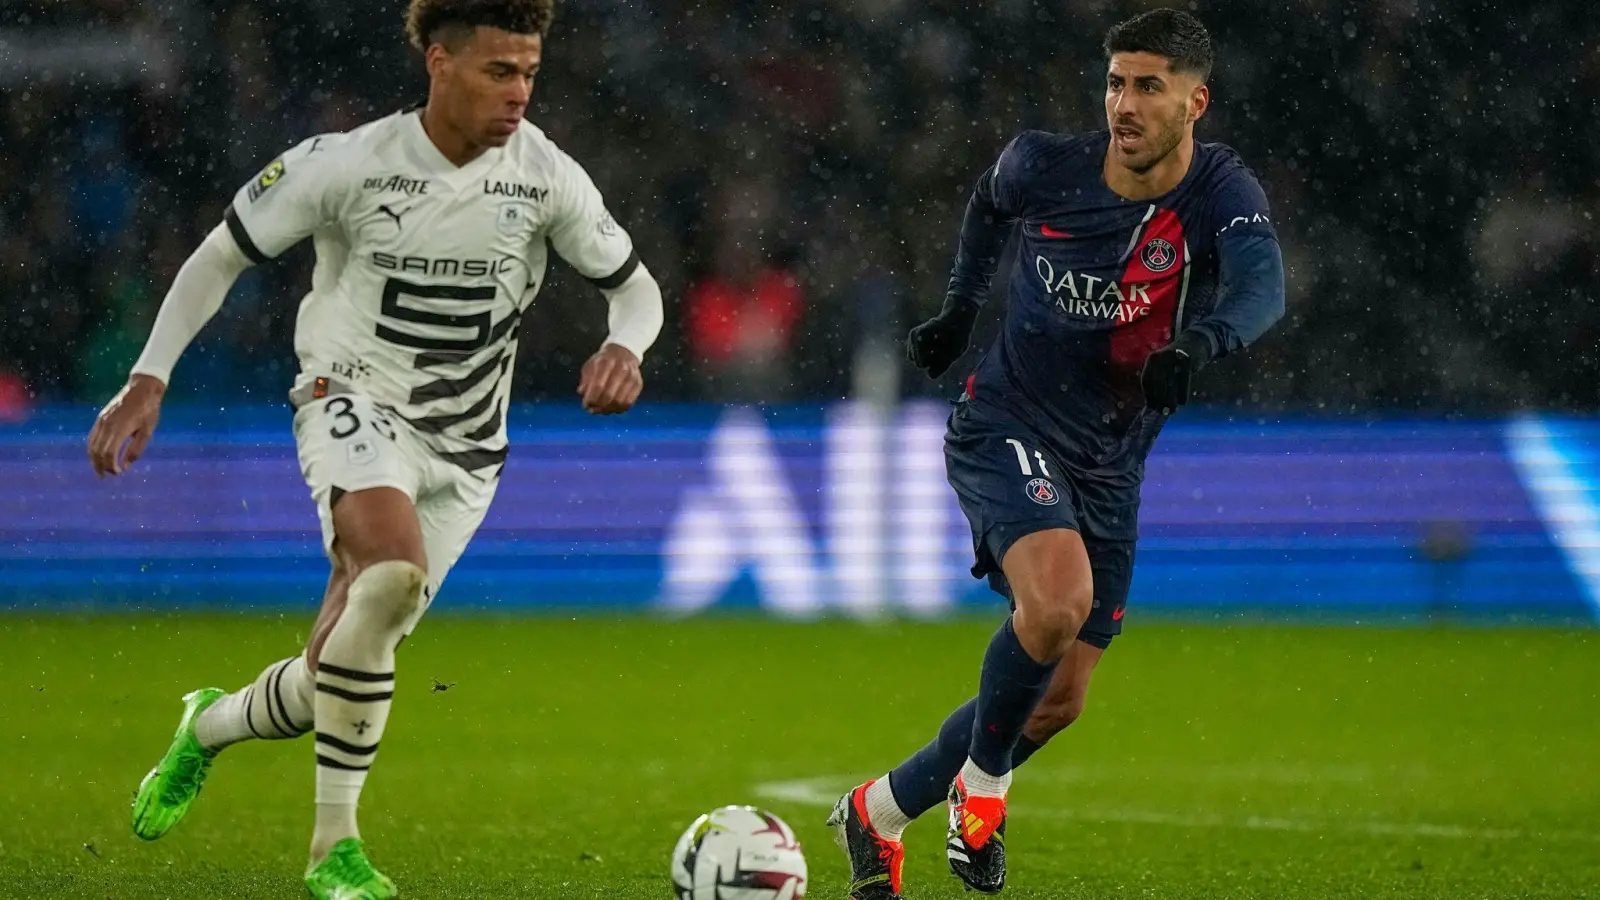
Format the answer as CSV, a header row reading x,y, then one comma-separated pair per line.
x,y
977,840
875,861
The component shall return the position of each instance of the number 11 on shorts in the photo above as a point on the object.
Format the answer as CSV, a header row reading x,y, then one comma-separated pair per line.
x,y
1022,459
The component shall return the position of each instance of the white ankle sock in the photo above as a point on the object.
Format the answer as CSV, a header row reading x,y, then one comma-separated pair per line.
x,y
981,784
277,705
355,688
333,819
884,812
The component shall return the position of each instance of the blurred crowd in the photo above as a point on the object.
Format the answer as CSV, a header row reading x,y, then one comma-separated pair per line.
x,y
794,172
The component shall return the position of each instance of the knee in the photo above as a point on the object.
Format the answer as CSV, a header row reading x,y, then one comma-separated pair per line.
x,y
1058,611
377,525
390,591
353,560
1074,601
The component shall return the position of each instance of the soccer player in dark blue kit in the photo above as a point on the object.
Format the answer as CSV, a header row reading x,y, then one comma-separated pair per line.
x,y
1144,255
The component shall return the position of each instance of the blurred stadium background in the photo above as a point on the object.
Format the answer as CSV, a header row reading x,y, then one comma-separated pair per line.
x,y
1416,441
1415,436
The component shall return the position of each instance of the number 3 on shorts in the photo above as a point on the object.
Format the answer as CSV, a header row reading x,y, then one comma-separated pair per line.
x,y
347,423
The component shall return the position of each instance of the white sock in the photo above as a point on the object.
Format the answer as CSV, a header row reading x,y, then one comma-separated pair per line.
x,y
883,812
981,784
276,706
334,818
355,688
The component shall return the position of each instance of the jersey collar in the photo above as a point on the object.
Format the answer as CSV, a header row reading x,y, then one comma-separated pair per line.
x,y
1195,165
435,163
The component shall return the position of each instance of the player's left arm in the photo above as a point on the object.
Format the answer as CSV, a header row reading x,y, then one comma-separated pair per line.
x,y
588,238
1250,298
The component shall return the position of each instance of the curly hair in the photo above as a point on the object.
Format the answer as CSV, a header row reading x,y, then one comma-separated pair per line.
x,y
430,22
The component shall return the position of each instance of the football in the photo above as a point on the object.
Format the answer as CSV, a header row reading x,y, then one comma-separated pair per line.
x,y
738,853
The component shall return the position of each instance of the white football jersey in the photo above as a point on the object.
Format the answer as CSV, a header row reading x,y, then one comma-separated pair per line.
x,y
424,268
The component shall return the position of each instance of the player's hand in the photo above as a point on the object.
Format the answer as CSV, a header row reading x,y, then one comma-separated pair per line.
x,y
611,381
123,429
1169,372
936,344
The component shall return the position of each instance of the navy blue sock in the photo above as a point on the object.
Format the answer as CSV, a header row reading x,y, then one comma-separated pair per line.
x,y
922,782
1009,688
1026,747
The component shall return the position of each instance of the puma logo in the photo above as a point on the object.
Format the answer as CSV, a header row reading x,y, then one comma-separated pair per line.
x,y
393,214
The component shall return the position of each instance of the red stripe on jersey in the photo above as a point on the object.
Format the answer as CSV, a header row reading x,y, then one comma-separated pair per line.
x,y
1158,265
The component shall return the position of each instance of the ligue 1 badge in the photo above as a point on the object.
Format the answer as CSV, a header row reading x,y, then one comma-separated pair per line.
x,y
268,177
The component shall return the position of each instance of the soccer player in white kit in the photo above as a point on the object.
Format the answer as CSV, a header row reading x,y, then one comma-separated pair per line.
x,y
430,229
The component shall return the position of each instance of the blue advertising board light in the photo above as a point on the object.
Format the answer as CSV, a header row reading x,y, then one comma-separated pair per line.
x,y
836,510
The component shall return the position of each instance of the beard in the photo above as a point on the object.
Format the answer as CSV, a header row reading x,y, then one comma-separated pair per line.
x,y
1158,144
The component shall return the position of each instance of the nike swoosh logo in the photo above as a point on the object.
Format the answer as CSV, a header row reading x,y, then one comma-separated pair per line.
x,y
1047,231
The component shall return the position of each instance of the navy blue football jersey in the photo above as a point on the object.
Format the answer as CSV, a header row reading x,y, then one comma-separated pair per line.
x,y
1100,282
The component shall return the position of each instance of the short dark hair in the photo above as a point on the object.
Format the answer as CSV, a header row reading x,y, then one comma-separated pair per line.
x,y
1171,33
430,22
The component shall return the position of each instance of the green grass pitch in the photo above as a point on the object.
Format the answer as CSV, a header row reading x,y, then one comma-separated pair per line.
x,y
566,755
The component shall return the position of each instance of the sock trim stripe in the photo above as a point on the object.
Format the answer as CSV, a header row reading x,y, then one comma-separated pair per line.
x,y
332,763
283,727
354,749
290,728
353,675
272,714
355,696
249,712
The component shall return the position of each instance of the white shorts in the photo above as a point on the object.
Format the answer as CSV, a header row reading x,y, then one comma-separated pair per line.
x,y
347,444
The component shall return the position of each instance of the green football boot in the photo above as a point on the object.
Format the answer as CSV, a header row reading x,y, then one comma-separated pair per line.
x,y
170,788
346,875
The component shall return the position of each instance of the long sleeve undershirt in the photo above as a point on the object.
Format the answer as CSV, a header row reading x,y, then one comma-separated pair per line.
x,y
195,296
636,314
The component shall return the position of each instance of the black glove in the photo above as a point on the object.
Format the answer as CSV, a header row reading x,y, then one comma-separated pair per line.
x,y
1169,371
936,344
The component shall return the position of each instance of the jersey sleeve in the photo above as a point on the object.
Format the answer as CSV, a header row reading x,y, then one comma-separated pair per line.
x,y
997,201
1012,172
1250,263
295,195
584,233
1239,207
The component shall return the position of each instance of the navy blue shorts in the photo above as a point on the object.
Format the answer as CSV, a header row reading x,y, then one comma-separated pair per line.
x,y
1010,487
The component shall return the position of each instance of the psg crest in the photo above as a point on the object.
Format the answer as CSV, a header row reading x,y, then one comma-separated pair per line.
x,y
1158,255
1042,492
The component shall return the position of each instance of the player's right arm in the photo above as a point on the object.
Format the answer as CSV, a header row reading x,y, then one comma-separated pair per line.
x,y
994,206
292,197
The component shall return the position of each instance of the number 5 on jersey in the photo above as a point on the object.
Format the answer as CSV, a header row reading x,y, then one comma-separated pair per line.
x,y
432,304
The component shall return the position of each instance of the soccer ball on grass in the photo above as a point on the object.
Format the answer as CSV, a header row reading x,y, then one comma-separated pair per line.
x,y
738,853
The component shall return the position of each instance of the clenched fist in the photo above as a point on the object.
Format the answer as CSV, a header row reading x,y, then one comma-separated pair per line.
x,y
1169,372
611,381
935,345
